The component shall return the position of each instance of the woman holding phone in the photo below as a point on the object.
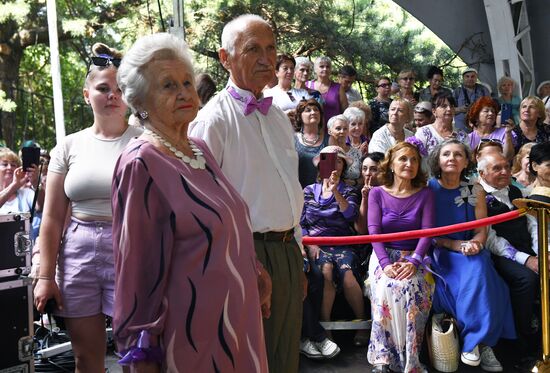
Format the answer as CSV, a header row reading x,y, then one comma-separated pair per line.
x,y
483,116
330,208
14,197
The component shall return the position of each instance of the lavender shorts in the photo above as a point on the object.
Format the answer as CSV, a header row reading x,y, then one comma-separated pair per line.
x,y
86,270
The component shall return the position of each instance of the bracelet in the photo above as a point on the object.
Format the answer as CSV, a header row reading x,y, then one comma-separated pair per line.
x,y
41,277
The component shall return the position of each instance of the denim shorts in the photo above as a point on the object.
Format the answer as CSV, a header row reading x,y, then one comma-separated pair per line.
x,y
86,270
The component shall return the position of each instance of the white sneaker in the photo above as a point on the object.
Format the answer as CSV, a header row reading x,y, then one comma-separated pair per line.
x,y
489,361
328,348
309,349
471,358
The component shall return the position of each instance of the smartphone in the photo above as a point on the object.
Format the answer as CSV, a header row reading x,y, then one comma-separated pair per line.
x,y
30,155
505,113
327,164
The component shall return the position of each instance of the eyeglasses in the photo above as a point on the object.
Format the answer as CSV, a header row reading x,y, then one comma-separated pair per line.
x,y
407,78
384,85
105,60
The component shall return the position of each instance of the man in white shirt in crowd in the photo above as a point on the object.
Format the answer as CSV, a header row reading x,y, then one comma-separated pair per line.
x,y
514,245
253,143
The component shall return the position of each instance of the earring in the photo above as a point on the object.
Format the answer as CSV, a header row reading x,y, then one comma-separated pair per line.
x,y
143,114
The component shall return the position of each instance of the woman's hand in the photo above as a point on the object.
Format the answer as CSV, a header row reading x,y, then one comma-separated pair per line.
x,y
509,125
19,177
333,181
313,252
404,270
390,271
470,247
44,291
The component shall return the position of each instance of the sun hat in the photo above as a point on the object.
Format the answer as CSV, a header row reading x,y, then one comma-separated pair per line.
x,y
539,197
333,149
542,84
423,106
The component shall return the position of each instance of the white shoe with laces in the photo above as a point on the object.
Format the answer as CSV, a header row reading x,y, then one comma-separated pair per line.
x,y
471,358
309,349
489,361
328,348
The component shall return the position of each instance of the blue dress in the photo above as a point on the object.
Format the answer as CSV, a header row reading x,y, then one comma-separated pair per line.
x,y
474,293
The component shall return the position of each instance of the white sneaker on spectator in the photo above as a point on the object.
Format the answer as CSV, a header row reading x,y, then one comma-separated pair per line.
x,y
309,349
489,361
471,358
328,348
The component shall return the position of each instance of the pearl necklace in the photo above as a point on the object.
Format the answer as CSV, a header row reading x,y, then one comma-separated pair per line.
x,y
197,163
310,142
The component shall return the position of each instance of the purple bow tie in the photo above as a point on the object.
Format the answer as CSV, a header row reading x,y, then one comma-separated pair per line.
x,y
250,102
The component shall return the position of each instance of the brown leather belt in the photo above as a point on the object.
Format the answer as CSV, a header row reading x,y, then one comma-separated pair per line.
x,y
284,236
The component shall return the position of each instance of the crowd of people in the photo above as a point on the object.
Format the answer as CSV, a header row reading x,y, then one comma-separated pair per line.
x,y
186,227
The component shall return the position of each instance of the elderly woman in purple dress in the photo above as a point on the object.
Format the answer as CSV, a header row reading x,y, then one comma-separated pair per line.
x,y
330,208
184,252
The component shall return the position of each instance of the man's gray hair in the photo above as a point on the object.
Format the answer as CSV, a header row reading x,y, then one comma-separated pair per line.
x,y
303,61
354,114
482,164
335,119
130,77
234,27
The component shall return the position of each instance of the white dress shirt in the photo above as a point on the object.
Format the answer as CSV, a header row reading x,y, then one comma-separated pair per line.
x,y
499,245
382,139
257,155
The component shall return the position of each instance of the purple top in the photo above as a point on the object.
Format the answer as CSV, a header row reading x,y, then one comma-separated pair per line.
x,y
185,264
498,134
331,107
389,214
322,217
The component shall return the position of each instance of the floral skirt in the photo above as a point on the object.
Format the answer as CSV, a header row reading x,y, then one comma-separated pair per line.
x,y
400,310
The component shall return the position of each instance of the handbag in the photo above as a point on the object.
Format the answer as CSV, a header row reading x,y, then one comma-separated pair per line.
x,y
443,343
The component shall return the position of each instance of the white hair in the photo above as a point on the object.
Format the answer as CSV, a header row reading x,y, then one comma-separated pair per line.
x,y
303,61
354,114
321,59
335,119
236,26
484,162
130,77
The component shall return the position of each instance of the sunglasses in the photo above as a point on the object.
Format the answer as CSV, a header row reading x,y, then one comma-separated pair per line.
x,y
407,78
384,85
105,61
487,142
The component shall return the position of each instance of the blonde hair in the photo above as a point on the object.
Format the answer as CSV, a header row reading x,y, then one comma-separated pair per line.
x,y
538,104
408,107
522,153
7,154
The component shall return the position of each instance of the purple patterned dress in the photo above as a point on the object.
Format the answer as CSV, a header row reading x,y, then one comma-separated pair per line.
x,y
185,264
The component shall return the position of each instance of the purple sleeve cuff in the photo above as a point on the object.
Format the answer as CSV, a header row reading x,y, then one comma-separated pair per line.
x,y
384,262
415,259
142,352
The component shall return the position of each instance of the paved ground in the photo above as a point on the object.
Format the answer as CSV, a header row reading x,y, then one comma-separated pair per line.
x,y
354,359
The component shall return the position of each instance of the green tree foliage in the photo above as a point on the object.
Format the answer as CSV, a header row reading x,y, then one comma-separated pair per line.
x,y
372,35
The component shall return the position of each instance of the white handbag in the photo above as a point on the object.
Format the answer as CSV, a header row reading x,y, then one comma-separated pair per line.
x,y
443,343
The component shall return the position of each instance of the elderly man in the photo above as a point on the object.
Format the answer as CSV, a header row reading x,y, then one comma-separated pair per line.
x,y
513,243
465,95
253,143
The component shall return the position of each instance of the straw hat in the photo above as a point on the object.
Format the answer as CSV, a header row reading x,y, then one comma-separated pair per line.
x,y
540,197
333,149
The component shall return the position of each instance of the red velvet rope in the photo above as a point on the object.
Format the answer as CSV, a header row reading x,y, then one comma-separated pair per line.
x,y
399,236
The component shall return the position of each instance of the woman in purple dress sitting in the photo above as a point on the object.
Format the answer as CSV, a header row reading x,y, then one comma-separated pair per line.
x,y
330,208
186,269
399,293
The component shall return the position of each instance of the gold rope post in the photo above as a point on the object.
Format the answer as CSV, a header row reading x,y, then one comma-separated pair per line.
x,y
542,217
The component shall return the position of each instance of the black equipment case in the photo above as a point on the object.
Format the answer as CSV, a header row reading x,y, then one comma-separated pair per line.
x,y
15,246
16,342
